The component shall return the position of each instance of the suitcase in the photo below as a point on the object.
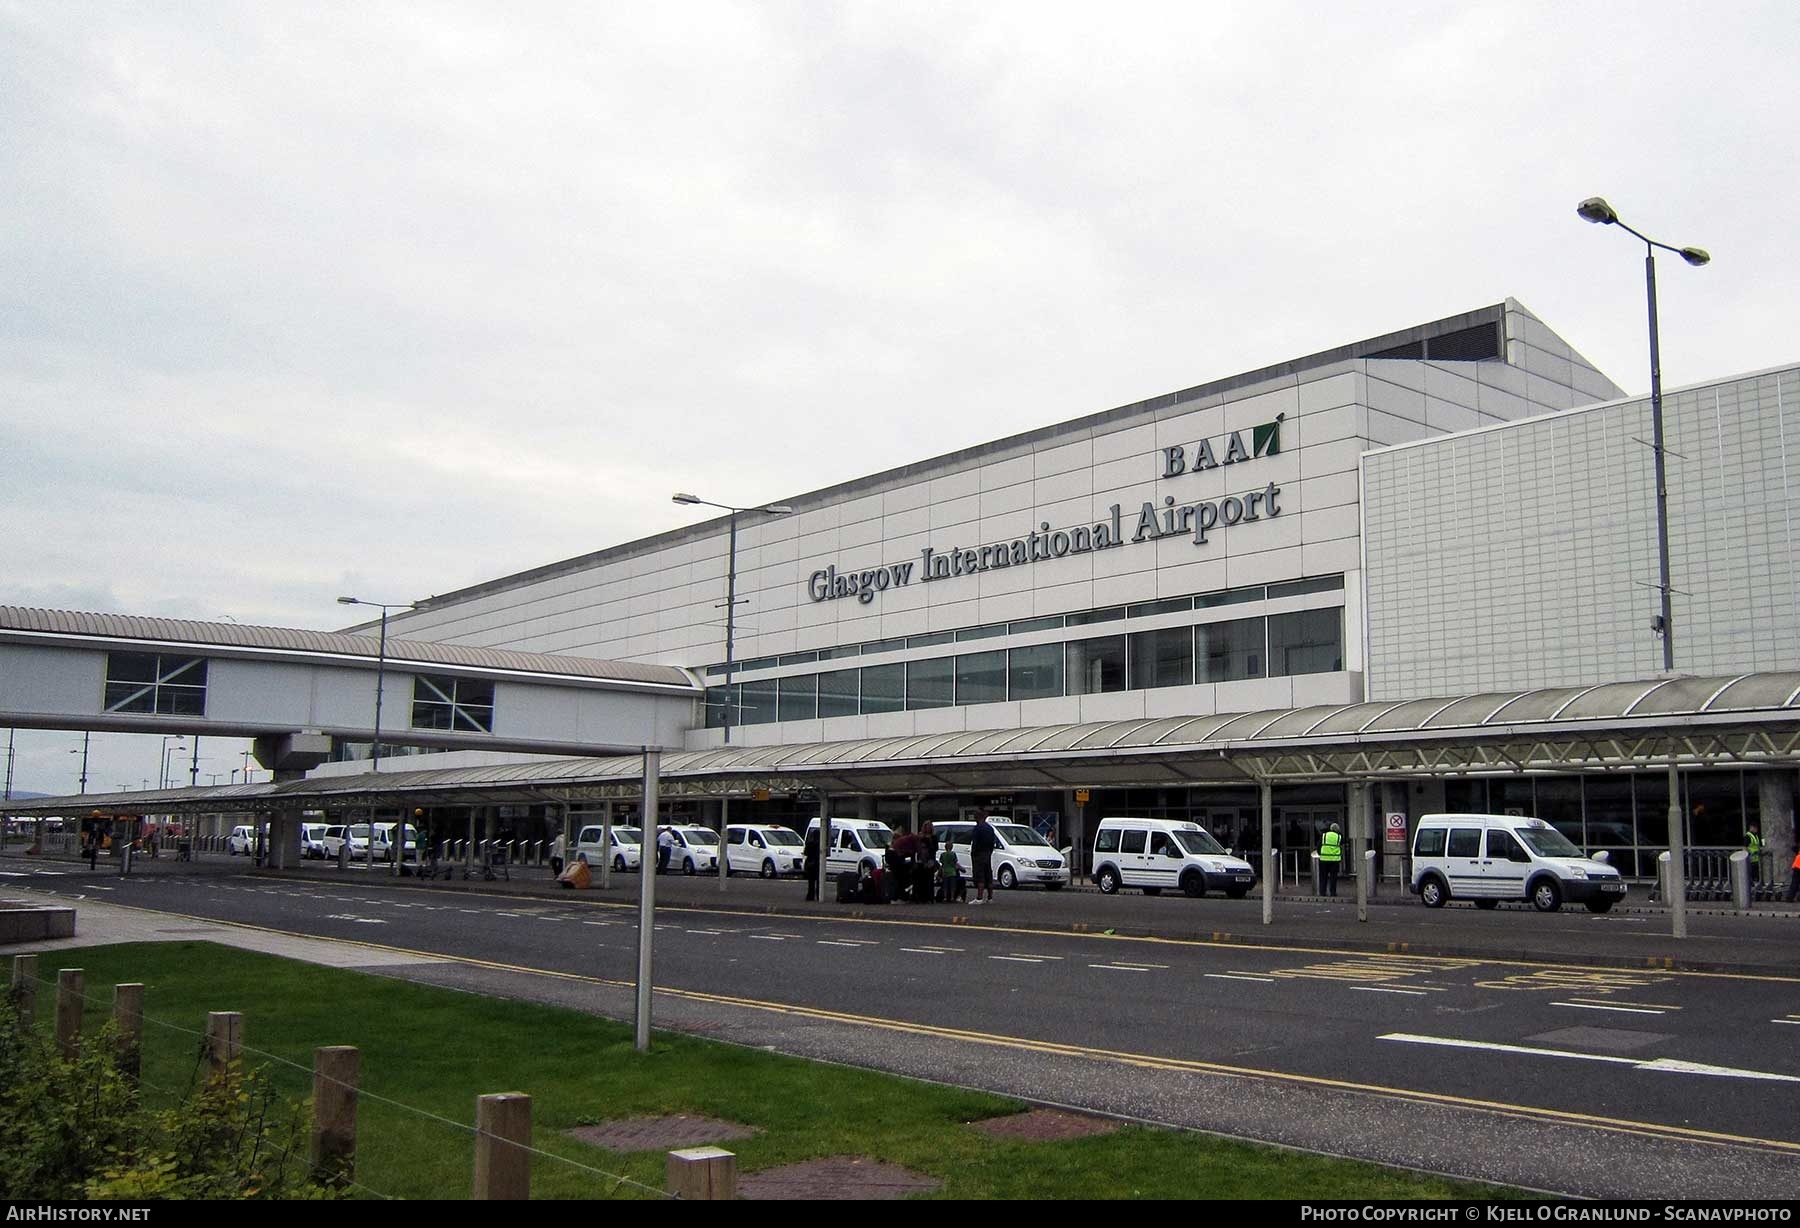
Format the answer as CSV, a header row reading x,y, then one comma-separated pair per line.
x,y
846,888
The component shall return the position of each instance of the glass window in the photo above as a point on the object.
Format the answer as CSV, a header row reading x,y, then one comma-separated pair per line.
x,y
758,663
1171,605
1715,805
1096,616
760,702
1465,842
446,702
1306,642
1297,588
883,646
930,640
1134,840
844,650
716,699
1558,802
981,633
1108,841
1226,652
1035,672
1162,658
1502,847
1161,845
1236,596
883,688
981,678
800,698
839,693
1430,842
148,682
1027,625
930,684
797,658
1095,666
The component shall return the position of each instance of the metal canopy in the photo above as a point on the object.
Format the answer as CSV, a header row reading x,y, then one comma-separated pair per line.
x,y
1739,720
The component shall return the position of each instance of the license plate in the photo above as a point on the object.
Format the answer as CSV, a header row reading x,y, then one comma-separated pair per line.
x,y
1243,878
1612,886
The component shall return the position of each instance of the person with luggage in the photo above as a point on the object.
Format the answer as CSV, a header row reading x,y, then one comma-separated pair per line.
x,y
982,844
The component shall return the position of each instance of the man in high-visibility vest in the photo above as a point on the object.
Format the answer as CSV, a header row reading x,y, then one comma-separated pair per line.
x,y
1753,843
1331,856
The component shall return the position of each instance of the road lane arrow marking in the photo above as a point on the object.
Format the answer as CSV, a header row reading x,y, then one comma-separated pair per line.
x,y
1666,1064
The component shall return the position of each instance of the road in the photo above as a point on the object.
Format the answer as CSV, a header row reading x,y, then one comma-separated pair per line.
x,y
1589,1080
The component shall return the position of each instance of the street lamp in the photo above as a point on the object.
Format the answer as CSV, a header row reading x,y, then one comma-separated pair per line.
x,y
162,781
83,752
771,509
1595,209
398,844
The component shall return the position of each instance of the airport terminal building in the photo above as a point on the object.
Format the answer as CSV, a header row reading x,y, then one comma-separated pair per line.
x,y
1463,507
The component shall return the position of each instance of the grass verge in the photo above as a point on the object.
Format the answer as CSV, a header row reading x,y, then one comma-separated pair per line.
x,y
428,1052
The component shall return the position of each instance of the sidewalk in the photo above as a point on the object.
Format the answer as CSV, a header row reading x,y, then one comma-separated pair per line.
x,y
1636,934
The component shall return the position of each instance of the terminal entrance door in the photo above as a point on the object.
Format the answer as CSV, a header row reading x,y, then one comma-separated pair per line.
x,y
1298,834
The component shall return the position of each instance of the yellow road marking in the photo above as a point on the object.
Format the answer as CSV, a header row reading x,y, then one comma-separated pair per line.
x,y
1523,1112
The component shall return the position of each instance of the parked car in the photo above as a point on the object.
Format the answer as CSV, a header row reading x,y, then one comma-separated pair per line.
x,y
1023,856
625,851
1154,854
696,850
765,849
384,836
1487,858
312,840
856,845
333,839
242,841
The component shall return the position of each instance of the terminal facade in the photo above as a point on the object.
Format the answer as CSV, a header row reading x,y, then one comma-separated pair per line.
x,y
1459,507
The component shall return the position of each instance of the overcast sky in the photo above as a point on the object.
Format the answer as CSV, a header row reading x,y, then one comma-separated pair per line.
x,y
388,299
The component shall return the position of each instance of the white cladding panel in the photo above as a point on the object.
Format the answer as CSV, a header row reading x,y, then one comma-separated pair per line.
x,y
1526,555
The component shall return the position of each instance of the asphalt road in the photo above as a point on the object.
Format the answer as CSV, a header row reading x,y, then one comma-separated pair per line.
x,y
1590,1079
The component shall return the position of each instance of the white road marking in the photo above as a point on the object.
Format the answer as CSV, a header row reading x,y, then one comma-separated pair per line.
x,y
1238,976
714,933
1411,993
1792,1021
1595,1006
1662,1064
1117,968
770,937
1017,959
1024,955
831,942
934,951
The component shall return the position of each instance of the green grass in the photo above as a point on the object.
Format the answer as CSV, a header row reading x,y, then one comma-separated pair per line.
x,y
435,1050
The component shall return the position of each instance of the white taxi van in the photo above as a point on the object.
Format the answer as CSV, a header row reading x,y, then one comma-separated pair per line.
x,y
763,848
1486,858
1156,853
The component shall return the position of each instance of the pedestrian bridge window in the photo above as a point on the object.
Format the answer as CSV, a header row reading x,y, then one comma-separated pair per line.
x,y
151,682
465,705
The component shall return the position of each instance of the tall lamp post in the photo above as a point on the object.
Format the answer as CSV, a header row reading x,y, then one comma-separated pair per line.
x,y
772,509
83,752
164,781
397,846
1595,209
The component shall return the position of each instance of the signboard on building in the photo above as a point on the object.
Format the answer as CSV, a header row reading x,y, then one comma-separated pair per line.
x,y
1396,829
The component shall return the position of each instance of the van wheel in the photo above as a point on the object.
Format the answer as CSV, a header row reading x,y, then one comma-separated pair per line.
x,y
768,869
1599,905
1008,880
619,863
1433,893
1487,905
1544,895
687,867
1194,884
1152,890
1107,880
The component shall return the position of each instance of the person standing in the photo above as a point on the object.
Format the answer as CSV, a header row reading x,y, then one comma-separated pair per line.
x,y
1331,857
982,843
811,854
665,848
558,850
1753,844
1793,880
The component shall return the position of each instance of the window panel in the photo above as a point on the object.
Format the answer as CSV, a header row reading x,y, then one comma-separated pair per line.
x,y
1096,666
1035,672
150,682
1228,652
800,698
930,684
883,688
1162,658
761,702
839,693
981,678
1306,642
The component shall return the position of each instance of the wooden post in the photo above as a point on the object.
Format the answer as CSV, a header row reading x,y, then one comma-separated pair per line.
x,y
701,1174
224,1040
335,1072
128,1013
502,1132
24,988
68,1012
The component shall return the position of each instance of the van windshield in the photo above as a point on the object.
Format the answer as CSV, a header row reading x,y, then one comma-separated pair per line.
x,y
875,837
629,835
1548,842
700,835
1015,833
1199,842
780,837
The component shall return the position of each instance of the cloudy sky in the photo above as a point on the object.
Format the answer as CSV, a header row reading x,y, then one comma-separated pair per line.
x,y
302,300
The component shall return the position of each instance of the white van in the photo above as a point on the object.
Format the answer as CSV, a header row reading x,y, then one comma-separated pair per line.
x,y
695,850
1158,853
312,840
1021,856
762,848
1492,857
856,845
625,851
358,836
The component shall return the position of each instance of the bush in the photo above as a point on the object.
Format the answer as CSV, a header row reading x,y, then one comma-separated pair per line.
x,y
79,1129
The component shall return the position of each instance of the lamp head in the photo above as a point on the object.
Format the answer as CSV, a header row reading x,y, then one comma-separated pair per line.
x,y
779,509
685,498
1595,209
348,601
1695,256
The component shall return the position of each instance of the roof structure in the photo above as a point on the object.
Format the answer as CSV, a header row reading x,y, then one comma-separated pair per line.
x,y
20,623
1687,722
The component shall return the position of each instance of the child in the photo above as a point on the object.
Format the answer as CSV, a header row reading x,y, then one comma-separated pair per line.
x,y
950,876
